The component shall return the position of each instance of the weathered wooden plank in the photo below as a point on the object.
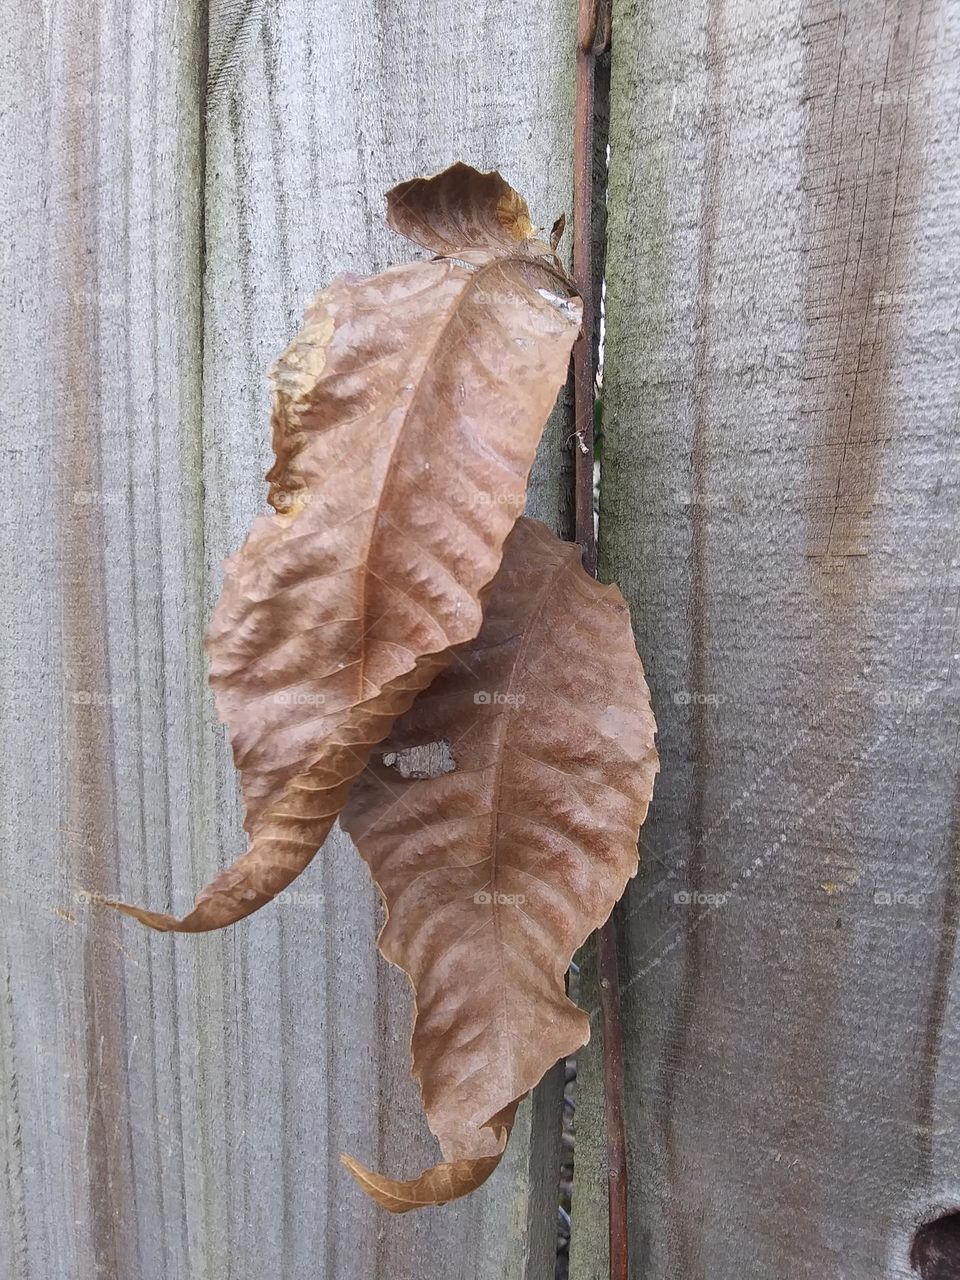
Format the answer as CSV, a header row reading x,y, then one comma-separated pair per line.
x,y
103,760
313,115
780,504
175,1107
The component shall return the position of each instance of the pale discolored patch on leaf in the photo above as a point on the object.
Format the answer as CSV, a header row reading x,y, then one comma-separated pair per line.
x,y
406,418
495,873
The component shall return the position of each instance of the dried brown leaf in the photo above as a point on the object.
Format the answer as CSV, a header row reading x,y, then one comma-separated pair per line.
x,y
406,418
462,208
493,874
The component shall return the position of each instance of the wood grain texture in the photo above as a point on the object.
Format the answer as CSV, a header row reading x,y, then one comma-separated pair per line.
x,y
106,745
780,505
173,196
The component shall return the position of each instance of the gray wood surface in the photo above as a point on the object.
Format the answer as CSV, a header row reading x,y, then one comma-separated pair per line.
x,y
174,193
780,504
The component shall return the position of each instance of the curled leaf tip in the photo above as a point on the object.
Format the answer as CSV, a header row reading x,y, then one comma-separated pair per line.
x,y
439,1185
230,897
159,920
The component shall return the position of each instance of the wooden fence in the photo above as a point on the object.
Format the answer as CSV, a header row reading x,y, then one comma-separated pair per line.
x,y
780,503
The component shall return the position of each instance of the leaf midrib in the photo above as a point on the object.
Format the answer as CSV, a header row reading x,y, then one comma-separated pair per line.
x,y
469,283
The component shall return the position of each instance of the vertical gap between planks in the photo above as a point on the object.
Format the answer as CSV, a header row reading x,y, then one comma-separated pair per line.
x,y
590,145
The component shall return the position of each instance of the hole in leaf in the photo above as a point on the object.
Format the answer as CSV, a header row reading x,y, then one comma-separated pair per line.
x,y
429,761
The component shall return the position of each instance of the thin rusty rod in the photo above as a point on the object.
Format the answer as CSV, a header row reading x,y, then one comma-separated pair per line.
x,y
583,370
608,973
592,35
